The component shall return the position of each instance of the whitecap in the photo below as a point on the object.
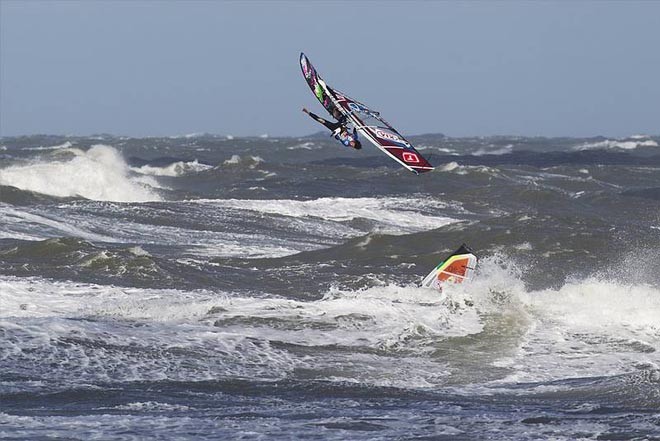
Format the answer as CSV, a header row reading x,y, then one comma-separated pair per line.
x,y
100,173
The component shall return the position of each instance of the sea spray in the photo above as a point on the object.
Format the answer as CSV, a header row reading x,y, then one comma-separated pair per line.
x,y
100,173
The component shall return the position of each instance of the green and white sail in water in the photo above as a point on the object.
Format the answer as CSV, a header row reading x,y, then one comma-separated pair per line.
x,y
457,268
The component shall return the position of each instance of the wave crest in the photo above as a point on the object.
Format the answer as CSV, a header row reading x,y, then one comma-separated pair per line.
x,y
100,173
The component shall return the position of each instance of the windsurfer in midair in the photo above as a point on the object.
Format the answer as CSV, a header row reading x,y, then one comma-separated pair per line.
x,y
338,129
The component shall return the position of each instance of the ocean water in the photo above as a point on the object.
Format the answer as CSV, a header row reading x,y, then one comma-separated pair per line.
x,y
211,287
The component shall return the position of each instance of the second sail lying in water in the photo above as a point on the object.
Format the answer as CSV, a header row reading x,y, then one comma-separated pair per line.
x,y
457,268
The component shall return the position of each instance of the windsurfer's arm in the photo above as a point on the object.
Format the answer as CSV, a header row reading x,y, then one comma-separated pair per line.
x,y
316,117
328,124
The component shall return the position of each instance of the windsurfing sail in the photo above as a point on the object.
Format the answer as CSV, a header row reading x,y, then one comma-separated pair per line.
x,y
368,122
457,268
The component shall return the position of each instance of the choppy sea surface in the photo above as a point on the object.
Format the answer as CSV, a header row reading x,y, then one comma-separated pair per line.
x,y
211,287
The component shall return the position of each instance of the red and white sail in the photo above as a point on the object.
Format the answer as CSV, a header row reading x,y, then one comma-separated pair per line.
x,y
368,122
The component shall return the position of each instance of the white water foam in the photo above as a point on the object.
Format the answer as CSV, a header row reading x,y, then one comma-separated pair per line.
x,y
99,173
188,135
182,334
20,224
456,168
251,161
26,225
450,166
393,215
308,145
129,424
586,328
115,222
65,145
103,343
422,147
494,150
590,328
179,168
636,142
390,334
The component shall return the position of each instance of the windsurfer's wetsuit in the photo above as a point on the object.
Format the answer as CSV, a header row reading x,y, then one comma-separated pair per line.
x,y
339,131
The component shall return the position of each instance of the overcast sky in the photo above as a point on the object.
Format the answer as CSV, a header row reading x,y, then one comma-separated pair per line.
x,y
167,67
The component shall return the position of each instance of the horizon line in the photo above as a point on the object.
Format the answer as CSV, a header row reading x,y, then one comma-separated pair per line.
x,y
317,135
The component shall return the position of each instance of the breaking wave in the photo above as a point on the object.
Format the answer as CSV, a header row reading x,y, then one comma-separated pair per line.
x,y
100,173
584,328
65,145
393,215
625,144
494,150
250,161
175,169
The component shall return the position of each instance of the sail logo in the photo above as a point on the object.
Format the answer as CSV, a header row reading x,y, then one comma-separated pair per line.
x,y
355,107
389,136
410,157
